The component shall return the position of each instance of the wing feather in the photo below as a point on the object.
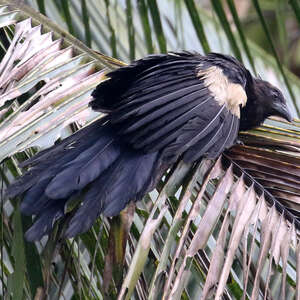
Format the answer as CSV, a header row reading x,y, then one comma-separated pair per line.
x,y
211,146
177,123
169,107
153,91
163,116
197,133
157,107
165,83
176,67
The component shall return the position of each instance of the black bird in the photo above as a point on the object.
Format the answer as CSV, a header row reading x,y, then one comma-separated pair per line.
x,y
159,109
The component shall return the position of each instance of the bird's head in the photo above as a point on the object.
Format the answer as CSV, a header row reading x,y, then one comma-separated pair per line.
x,y
272,100
264,100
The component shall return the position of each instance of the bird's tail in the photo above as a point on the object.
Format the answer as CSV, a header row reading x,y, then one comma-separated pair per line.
x,y
90,164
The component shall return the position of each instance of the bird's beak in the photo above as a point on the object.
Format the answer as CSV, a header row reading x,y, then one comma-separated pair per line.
x,y
281,110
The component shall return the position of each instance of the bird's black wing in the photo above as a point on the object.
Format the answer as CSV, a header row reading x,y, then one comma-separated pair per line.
x,y
180,104
159,108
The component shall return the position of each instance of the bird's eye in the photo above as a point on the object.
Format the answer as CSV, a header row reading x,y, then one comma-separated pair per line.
x,y
276,95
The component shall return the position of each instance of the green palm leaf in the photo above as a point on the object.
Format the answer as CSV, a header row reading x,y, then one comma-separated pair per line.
x,y
213,227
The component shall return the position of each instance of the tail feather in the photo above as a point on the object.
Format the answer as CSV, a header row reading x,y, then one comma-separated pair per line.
x,y
30,179
134,179
36,205
126,179
35,199
88,134
44,224
96,166
100,162
84,169
60,158
52,161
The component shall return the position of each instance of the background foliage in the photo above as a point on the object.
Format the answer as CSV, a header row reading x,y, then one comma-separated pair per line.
x,y
181,233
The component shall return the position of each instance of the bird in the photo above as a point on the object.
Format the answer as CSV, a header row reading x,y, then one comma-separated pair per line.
x,y
158,109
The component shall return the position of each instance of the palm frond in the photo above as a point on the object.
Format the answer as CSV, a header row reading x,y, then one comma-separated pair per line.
x,y
228,227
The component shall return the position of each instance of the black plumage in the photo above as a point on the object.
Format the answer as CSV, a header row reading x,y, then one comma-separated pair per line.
x,y
159,109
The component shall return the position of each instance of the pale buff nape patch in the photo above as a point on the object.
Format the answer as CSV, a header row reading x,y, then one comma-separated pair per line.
x,y
231,94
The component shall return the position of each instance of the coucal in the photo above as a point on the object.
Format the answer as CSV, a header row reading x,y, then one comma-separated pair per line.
x,y
159,109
